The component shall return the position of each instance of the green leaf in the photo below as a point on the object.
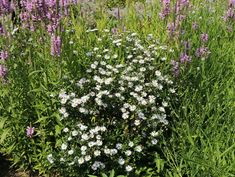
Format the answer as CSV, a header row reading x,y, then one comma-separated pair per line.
x,y
4,134
112,173
2,122
104,175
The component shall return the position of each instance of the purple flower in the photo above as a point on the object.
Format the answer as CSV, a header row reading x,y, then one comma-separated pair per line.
x,y
166,9
184,58
30,131
195,26
171,28
232,3
204,37
114,30
3,71
175,67
3,55
202,52
2,31
55,45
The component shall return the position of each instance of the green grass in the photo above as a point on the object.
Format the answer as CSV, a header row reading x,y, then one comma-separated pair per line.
x,y
201,139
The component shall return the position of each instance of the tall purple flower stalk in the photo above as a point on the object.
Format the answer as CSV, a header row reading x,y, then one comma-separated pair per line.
x,y
166,9
55,45
204,37
175,68
3,71
30,131
184,58
3,55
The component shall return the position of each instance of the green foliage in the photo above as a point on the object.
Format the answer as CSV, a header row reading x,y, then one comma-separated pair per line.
x,y
200,139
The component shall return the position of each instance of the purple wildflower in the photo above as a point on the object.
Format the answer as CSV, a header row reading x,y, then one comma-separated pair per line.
x,y
204,37
30,131
3,55
195,26
184,58
175,67
3,71
2,31
55,45
114,30
166,9
171,28
202,52
232,3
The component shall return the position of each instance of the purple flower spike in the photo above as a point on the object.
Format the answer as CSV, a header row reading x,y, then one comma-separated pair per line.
x,y
30,131
184,58
204,37
3,55
232,3
3,71
175,68
55,45
195,26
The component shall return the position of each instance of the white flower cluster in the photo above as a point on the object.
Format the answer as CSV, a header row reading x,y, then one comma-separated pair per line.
x,y
118,110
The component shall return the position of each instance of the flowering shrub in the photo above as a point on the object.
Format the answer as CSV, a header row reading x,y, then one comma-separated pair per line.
x,y
113,116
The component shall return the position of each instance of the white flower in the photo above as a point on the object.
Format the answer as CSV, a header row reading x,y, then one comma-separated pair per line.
x,y
70,152
132,108
129,168
121,161
172,90
83,148
63,101
113,151
154,134
83,127
123,110
96,48
65,115
75,102
91,143
142,69
162,109
128,152
85,137
83,110
125,115
62,110
74,133
108,81
99,143
131,144
64,146
158,73
98,137
81,160
107,151
154,141
163,58
115,56
87,158
50,158
107,57
138,148
66,130
70,138
152,99
129,56
164,104
137,122
62,159
97,153
119,146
